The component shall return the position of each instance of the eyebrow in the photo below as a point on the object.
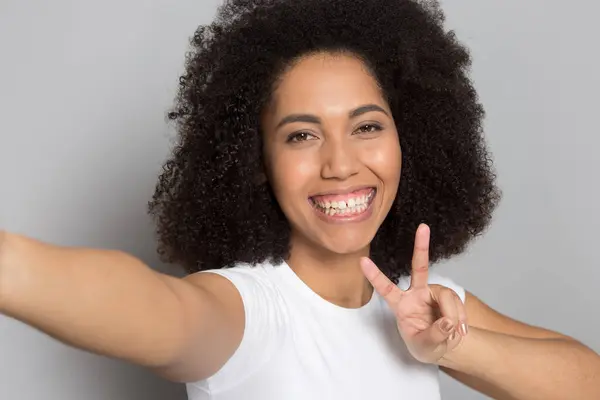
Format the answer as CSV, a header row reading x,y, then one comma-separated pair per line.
x,y
313,119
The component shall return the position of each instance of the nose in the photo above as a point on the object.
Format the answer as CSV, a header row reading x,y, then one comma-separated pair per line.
x,y
339,160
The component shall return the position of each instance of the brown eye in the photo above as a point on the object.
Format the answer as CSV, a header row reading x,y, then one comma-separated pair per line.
x,y
299,137
369,128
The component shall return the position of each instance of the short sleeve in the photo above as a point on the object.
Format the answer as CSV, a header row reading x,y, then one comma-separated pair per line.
x,y
436,279
263,328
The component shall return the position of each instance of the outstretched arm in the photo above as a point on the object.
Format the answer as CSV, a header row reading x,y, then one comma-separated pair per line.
x,y
110,303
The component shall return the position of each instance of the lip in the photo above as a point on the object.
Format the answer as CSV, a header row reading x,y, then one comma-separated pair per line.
x,y
346,190
343,219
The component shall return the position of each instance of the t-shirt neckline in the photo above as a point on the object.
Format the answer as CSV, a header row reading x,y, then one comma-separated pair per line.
x,y
319,301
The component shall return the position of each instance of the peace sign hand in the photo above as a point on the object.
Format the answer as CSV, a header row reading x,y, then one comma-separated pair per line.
x,y
431,319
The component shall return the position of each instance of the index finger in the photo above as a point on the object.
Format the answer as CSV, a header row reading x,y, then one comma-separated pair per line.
x,y
381,283
420,260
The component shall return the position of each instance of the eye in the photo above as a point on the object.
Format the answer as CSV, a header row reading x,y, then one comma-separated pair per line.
x,y
369,128
300,137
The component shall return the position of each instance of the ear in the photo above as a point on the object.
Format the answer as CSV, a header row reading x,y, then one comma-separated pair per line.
x,y
260,179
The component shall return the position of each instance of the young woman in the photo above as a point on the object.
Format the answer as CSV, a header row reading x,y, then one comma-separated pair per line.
x,y
328,151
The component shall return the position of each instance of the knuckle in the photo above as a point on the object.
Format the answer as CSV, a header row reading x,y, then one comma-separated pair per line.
x,y
422,266
387,288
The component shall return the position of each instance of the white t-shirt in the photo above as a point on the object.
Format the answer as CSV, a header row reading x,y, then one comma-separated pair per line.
x,y
298,346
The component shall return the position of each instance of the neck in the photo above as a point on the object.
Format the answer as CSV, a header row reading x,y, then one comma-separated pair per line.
x,y
335,277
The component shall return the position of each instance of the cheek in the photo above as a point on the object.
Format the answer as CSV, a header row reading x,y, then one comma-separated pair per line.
x,y
291,174
385,160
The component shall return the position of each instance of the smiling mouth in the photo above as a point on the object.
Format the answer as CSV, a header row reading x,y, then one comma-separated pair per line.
x,y
341,206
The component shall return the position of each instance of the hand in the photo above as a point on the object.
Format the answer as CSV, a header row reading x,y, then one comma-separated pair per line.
x,y
431,318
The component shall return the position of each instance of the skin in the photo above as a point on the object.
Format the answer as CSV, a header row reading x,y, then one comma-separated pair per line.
x,y
336,153
199,320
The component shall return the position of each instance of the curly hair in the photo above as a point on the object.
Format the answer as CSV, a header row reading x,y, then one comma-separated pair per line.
x,y
211,208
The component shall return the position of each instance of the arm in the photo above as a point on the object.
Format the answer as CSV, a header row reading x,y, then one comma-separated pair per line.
x,y
507,359
110,303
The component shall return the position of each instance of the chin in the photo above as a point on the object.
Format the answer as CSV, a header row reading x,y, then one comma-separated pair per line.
x,y
344,245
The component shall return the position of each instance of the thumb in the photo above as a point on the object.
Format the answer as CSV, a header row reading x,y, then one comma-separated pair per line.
x,y
438,333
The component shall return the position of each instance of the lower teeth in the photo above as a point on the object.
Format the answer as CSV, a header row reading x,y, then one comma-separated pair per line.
x,y
346,211
357,209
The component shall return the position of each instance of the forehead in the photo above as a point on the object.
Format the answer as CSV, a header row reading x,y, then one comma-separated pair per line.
x,y
325,82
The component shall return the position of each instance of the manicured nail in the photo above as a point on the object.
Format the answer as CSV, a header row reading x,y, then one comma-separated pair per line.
x,y
447,326
464,329
453,336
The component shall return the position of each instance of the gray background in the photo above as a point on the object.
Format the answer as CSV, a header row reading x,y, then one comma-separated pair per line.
x,y
84,86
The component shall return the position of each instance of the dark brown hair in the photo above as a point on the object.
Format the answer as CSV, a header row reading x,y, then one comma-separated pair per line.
x,y
210,210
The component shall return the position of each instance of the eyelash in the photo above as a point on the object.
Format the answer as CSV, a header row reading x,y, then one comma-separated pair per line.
x,y
293,137
376,127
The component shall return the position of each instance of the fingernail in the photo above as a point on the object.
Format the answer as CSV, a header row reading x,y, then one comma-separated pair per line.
x,y
464,329
453,336
447,326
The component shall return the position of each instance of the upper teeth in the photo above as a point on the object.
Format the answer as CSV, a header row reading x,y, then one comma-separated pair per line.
x,y
343,204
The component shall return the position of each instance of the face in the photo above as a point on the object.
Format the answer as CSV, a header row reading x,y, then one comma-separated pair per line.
x,y
332,152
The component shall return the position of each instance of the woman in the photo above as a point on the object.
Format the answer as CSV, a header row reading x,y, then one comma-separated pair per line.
x,y
328,152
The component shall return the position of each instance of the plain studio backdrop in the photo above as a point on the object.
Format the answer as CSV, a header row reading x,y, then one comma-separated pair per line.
x,y
84,88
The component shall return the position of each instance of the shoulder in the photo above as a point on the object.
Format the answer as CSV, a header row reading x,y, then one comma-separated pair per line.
x,y
264,317
248,280
252,286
